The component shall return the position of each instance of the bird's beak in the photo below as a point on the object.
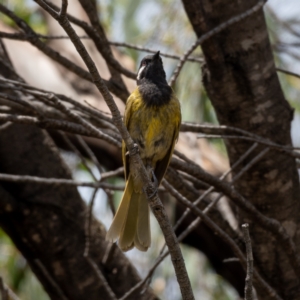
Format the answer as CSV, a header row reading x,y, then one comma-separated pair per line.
x,y
156,55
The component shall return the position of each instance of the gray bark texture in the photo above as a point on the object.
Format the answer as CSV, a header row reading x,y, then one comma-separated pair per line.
x,y
241,81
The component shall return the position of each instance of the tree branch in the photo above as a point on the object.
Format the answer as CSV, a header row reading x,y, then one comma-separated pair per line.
x,y
248,285
155,203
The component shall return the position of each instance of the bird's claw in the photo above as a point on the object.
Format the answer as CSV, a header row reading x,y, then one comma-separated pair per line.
x,y
155,187
154,180
155,183
135,150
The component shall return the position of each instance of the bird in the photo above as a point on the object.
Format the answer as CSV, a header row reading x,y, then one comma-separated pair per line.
x,y
152,117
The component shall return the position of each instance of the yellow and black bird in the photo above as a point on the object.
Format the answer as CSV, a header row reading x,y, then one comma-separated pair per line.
x,y
152,117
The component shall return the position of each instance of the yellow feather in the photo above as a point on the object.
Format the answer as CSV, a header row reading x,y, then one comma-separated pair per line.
x,y
143,235
121,215
126,241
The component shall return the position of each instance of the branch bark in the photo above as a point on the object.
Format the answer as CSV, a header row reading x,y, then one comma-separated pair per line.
x,y
34,217
241,81
138,167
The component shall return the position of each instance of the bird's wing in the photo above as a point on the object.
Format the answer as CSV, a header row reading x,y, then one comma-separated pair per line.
x,y
162,165
127,116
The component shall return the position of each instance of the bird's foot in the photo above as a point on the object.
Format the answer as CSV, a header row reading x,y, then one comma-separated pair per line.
x,y
154,180
153,193
135,150
155,186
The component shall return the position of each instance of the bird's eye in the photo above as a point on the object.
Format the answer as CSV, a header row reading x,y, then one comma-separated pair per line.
x,y
145,62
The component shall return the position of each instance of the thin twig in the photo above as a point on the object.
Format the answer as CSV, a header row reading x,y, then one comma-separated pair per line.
x,y
144,49
288,72
102,279
26,88
230,260
215,228
283,23
258,140
140,284
60,181
223,129
56,56
50,279
220,130
197,221
224,236
78,153
82,121
91,205
97,34
89,152
35,41
213,32
249,255
3,290
286,242
5,125
48,123
88,224
211,189
24,37
94,159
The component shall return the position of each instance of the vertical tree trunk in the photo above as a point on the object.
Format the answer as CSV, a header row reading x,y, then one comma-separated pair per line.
x,y
241,81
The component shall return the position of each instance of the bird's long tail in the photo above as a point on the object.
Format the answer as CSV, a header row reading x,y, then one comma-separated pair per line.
x,y
131,223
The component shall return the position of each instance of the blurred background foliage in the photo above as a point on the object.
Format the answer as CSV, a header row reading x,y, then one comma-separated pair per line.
x,y
159,25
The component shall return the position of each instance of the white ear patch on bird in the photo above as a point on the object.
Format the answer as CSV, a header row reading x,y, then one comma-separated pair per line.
x,y
140,72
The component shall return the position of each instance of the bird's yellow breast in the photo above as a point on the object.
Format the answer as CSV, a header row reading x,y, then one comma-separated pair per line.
x,y
153,128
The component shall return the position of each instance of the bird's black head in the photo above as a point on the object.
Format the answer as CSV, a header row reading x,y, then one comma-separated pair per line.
x,y
152,83
151,69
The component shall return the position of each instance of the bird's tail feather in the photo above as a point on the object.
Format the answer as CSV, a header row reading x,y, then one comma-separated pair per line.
x,y
143,234
121,214
131,223
126,241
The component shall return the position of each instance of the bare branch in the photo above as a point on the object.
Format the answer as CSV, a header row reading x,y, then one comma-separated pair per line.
x,y
26,88
23,37
102,279
94,159
259,280
83,122
58,181
50,279
34,39
150,191
213,32
48,123
272,225
196,222
249,276
288,72
97,33
3,290
6,293
88,222
144,49
223,129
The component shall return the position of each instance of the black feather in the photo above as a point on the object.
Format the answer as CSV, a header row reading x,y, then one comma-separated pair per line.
x,y
152,84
